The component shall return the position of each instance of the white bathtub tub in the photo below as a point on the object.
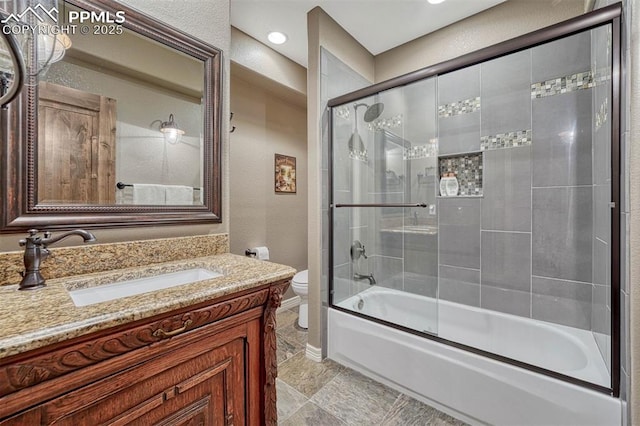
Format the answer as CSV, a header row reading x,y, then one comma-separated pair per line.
x,y
469,386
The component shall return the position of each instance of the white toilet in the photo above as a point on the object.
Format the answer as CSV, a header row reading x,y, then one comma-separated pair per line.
x,y
300,286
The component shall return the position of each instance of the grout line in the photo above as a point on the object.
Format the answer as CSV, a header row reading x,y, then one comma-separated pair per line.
x,y
436,189
531,188
562,186
506,232
569,281
327,384
306,398
484,182
459,267
531,195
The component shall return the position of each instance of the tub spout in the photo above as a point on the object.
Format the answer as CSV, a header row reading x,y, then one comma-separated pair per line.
x,y
369,277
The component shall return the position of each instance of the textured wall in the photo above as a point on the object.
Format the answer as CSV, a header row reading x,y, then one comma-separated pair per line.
x,y
267,124
250,53
500,23
208,21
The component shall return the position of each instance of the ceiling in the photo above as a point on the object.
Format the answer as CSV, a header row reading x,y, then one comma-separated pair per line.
x,y
378,25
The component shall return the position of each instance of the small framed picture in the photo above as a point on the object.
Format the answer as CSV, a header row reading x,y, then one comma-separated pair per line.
x,y
285,178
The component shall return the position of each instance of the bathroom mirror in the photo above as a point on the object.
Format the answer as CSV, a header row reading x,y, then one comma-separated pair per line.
x,y
119,124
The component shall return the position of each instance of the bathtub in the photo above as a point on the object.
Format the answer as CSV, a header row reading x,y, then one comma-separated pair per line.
x,y
469,386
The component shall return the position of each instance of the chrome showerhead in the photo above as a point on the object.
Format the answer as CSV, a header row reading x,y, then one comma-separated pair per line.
x,y
373,112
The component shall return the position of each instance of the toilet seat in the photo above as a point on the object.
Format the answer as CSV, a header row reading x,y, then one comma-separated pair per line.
x,y
300,282
300,286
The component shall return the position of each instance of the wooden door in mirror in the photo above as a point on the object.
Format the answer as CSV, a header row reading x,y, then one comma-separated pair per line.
x,y
76,146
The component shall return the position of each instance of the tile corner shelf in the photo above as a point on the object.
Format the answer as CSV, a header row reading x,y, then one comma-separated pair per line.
x,y
467,169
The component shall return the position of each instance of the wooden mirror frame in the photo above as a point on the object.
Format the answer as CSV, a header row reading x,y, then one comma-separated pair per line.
x,y
18,156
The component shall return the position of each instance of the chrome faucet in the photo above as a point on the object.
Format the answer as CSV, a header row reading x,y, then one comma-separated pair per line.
x,y
369,277
35,252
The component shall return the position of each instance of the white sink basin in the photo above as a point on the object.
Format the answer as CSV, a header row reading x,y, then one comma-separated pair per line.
x,y
106,292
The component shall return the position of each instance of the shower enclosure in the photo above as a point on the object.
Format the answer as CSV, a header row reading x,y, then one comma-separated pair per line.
x,y
517,259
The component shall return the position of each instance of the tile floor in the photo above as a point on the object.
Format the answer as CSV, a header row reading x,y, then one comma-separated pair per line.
x,y
326,394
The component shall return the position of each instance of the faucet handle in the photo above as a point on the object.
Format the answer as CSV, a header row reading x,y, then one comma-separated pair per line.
x,y
32,233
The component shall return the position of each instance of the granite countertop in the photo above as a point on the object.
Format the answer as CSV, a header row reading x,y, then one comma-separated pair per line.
x,y
34,319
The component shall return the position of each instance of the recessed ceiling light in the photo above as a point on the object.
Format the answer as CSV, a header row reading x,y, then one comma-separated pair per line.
x,y
435,1
276,37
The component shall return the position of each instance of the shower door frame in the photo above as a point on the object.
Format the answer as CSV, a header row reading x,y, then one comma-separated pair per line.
x,y
607,15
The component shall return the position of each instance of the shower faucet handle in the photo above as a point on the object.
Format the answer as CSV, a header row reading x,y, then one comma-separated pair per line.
x,y
357,250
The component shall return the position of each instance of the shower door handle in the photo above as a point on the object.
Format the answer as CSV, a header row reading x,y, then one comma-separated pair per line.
x,y
423,205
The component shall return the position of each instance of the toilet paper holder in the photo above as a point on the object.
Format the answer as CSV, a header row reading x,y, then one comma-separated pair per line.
x,y
260,253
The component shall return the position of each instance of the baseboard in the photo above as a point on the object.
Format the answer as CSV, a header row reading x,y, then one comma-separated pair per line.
x,y
289,303
313,353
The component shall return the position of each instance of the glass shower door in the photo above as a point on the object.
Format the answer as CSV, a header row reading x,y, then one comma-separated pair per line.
x,y
384,208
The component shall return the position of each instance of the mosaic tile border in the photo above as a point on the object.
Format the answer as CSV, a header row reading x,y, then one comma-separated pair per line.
x,y
569,83
362,156
457,108
506,140
385,123
417,152
467,169
343,112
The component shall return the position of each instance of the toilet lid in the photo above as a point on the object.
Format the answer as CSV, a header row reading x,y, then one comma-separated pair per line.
x,y
301,277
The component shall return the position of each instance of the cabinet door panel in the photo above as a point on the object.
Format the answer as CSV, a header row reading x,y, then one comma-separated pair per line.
x,y
197,413
208,387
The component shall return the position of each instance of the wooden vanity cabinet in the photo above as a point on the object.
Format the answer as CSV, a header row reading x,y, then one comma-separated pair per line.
x,y
214,365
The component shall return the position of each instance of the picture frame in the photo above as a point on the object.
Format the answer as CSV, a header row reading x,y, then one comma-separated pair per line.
x,y
285,174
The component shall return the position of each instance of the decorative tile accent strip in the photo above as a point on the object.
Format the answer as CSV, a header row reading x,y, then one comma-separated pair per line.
x,y
386,123
506,140
460,107
417,152
359,155
343,112
602,113
467,169
570,83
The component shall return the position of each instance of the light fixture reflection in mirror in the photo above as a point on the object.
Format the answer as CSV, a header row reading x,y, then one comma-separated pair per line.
x,y
49,47
172,133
